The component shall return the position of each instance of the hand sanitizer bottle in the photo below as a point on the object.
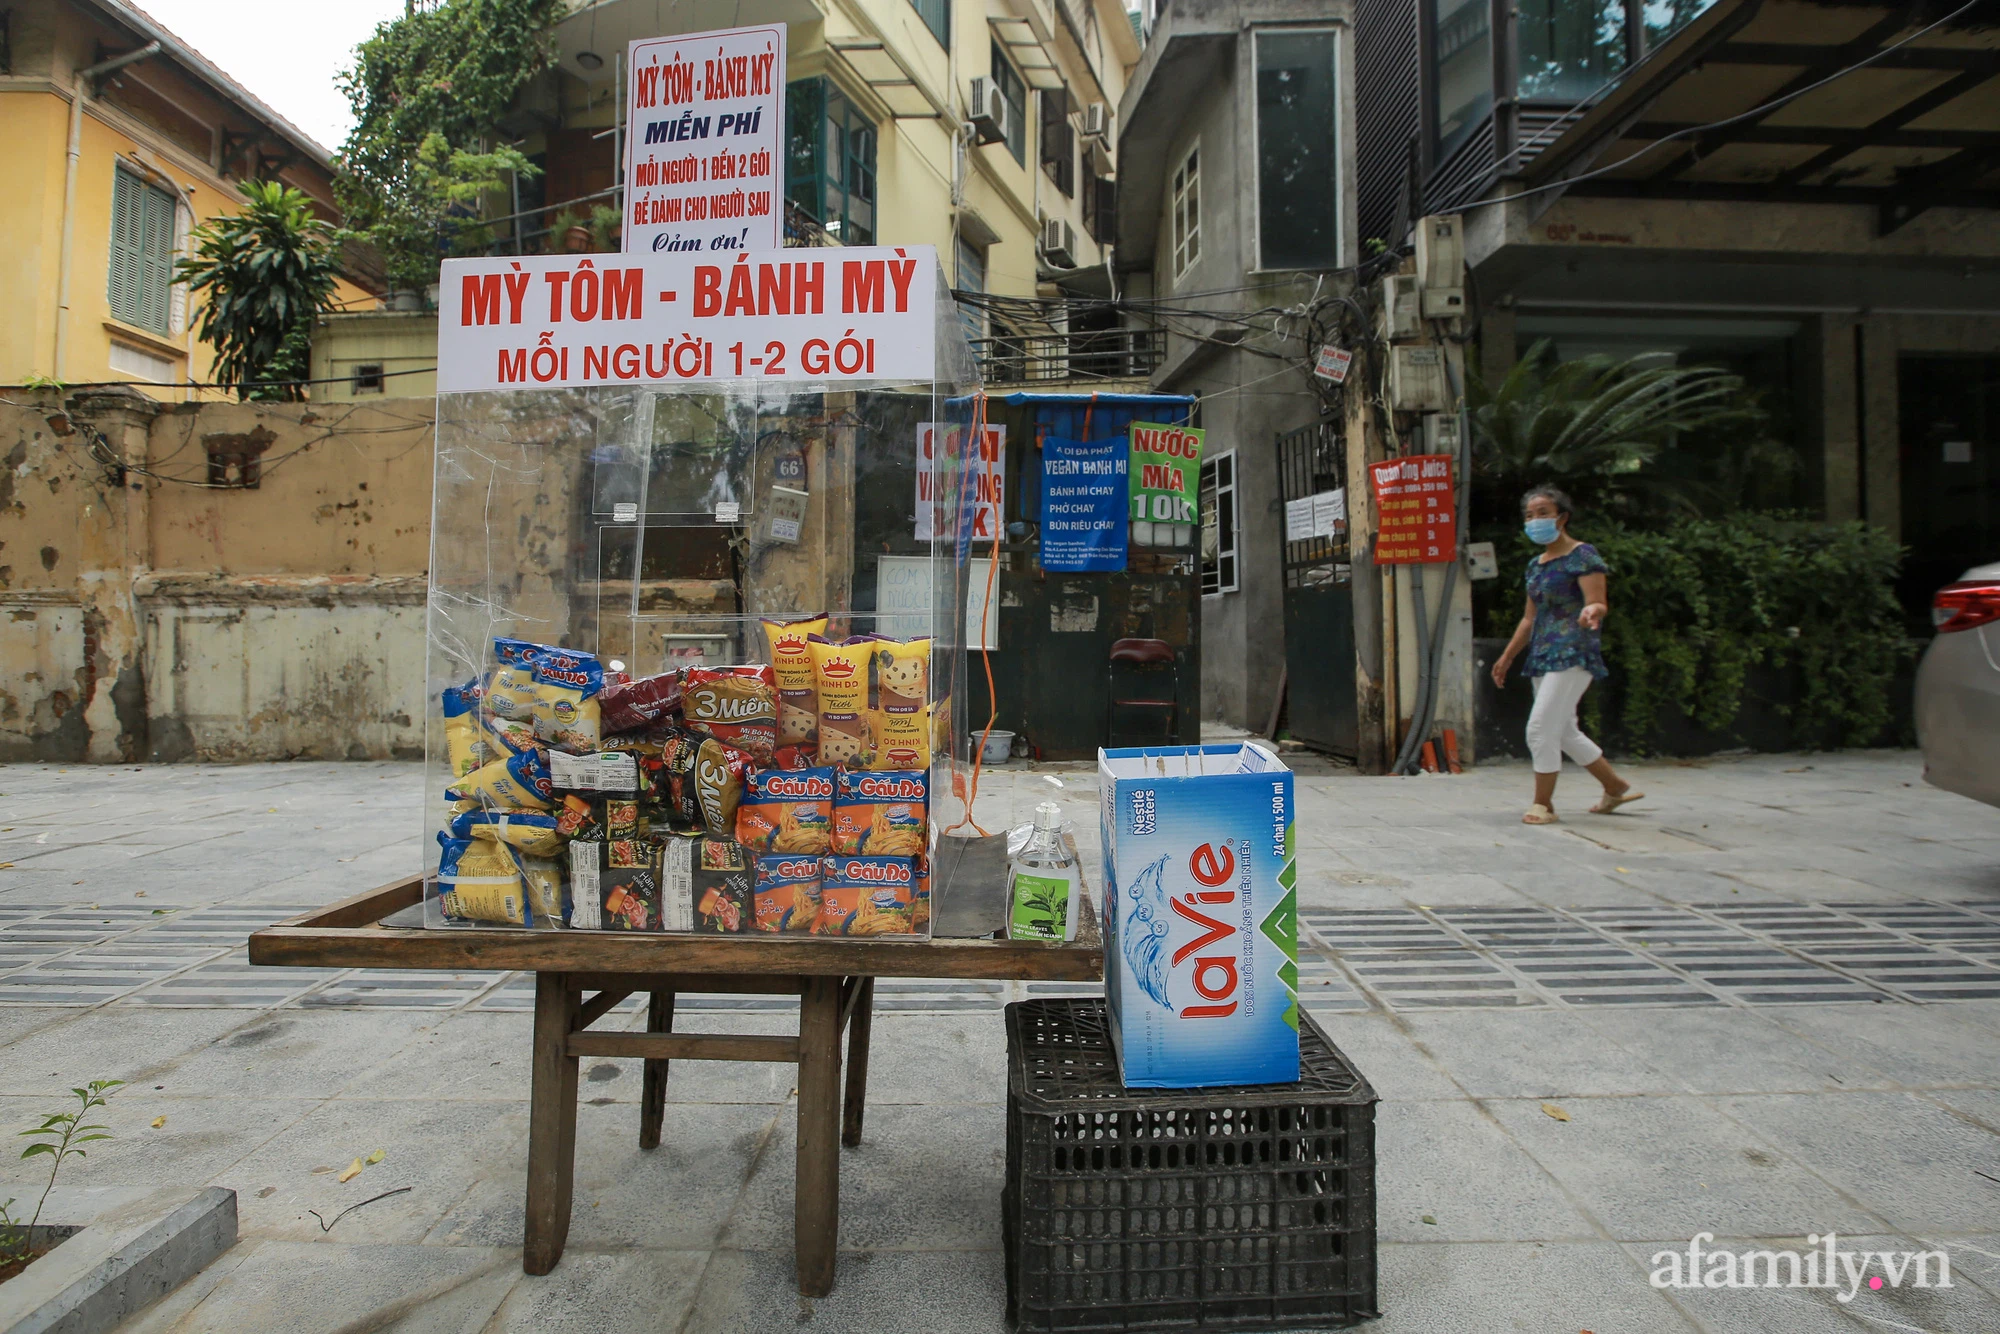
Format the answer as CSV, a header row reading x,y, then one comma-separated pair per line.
x,y
1042,882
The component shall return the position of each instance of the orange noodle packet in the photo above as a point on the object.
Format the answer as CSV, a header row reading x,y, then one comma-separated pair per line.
x,y
738,706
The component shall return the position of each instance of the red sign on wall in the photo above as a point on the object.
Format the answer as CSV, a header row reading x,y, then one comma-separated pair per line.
x,y
1416,509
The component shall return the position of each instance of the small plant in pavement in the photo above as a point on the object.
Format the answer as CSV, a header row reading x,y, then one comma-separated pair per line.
x,y
59,1138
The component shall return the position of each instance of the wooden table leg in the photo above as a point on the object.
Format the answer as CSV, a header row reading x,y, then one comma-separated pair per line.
x,y
653,1100
817,1175
857,1063
551,1125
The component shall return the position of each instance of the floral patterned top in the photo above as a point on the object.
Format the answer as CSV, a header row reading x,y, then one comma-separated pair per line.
x,y
1559,642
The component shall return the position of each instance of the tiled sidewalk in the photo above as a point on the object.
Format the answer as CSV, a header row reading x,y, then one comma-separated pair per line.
x,y
1767,999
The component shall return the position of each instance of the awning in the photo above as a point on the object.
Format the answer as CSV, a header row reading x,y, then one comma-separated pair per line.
x,y
1916,128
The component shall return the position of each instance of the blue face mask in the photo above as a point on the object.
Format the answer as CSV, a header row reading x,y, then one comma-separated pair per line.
x,y
1540,530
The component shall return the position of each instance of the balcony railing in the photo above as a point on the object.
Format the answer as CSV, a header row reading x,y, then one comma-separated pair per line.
x,y
1089,355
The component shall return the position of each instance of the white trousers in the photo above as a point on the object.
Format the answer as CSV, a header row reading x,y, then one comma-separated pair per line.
x,y
1552,729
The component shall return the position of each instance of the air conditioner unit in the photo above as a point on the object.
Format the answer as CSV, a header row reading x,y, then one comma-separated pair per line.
x,y
1059,243
989,112
1097,121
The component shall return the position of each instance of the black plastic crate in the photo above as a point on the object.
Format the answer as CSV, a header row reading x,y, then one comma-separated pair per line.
x,y
1221,1208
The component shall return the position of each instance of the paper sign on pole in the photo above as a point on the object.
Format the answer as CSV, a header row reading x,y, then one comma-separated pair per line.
x,y
986,478
1333,363
705,141
559,321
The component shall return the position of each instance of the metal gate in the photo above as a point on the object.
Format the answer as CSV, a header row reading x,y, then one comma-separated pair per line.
x,y
1319,590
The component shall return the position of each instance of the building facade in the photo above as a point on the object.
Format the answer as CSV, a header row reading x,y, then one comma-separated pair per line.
x,y
118,141
1236,225
886,144
1806,194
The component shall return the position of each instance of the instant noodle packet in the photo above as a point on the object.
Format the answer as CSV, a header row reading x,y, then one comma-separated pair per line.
x,y
881,814
718,786
566,685
646,702
865,896
840,672
510,686
787,894
479,881
902,712
798,683
519,781
465,748
738,706
786,810
543,878
725,878
532,832
920,901
508,736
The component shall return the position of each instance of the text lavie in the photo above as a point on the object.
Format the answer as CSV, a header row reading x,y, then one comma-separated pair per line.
x,y
562,321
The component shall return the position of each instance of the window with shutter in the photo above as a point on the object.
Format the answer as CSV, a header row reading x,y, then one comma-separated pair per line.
x,y
142,253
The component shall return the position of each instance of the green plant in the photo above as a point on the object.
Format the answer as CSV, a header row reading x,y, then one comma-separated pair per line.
x,y
39,381
436,196
559,224
429,90
1699,603
265,271
1598,428
604,224
57,1138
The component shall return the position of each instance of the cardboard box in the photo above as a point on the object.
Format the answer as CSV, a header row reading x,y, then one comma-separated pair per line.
x,y
1200,918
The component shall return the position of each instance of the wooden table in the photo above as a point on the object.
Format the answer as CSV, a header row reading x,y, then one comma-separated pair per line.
x,y
580,976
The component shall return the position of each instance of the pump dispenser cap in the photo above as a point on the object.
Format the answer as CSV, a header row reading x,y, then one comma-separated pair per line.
x,y
1048,815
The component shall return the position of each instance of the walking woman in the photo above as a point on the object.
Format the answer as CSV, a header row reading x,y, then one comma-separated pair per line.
x,y
1559,630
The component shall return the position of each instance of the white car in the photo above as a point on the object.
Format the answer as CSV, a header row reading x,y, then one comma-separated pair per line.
x,y
1958,688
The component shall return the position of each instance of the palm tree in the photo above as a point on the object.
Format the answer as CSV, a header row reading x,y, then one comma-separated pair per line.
x,y
1599,428
266,272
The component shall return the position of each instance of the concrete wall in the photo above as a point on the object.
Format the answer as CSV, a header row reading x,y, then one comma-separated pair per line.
x,y
159,616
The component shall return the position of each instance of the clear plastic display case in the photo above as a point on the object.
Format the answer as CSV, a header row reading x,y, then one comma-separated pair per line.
x,y
646,528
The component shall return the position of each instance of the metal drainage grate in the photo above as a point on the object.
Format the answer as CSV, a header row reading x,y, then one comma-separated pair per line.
x,y
1888,960
1570,961
1737,965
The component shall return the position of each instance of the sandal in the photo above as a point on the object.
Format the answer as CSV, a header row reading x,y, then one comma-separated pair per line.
x,y
1539,814
1607,804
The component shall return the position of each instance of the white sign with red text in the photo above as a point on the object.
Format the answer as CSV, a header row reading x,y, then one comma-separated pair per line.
x,y
990,477
705,141
560,321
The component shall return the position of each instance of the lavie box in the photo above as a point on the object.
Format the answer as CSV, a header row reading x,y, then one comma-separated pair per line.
x,y
1200,918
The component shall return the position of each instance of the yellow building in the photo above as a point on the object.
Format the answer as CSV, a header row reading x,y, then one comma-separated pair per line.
x,y
887,147
116,141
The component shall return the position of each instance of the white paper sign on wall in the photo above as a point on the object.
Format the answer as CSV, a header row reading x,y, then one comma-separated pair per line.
x,y
991,480
705,141
560,321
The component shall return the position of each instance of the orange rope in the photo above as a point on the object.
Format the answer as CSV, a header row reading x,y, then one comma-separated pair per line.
x,y
992,572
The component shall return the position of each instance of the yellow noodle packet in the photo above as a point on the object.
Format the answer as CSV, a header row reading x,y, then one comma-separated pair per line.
x,y
798,682
902,713
840,673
